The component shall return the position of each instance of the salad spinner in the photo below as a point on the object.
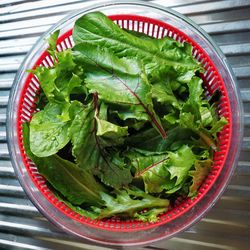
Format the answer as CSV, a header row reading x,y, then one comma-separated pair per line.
x,y
157,22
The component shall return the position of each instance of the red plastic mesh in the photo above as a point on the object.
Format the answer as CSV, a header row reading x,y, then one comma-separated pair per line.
x,y
212,81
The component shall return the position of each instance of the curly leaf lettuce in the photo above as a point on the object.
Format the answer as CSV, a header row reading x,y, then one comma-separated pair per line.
x,y
129,202
202,168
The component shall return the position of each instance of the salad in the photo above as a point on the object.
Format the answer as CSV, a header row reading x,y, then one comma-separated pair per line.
x,y
123,125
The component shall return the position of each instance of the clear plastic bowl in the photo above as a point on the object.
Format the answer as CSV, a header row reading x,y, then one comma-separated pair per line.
x,y
218,75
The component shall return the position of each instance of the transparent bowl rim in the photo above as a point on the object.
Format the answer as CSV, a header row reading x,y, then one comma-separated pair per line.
x,y
11,116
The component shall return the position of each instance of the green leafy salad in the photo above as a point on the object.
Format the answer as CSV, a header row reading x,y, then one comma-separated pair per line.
x,y
123,125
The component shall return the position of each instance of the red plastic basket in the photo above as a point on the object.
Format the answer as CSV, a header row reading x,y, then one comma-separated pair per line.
x,y
212,82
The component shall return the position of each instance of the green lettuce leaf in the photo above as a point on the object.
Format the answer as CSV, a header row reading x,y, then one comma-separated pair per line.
x,y
69,76
87,212
152,169
163,172
46,77
65,62
202,169
59,81
163,93
198,115
180,162
206,116
195,90
218,125
150,215
129,202
52,43
192,105
110,134
48,129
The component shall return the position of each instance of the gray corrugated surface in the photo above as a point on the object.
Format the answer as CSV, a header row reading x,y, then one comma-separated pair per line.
x,y
227,226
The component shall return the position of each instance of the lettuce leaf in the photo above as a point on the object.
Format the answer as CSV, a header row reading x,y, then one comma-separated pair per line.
x,y
52,43
202,169
128,202
180,163
165,171
60,81
153,170
48,129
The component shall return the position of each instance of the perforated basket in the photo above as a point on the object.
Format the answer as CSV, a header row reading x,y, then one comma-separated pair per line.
x,y
157,23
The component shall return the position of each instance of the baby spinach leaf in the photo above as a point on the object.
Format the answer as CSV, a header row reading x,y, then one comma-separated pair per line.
x,y
48,129
82,135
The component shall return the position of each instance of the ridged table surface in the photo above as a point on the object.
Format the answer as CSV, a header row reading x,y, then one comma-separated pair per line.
x,y
226,226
